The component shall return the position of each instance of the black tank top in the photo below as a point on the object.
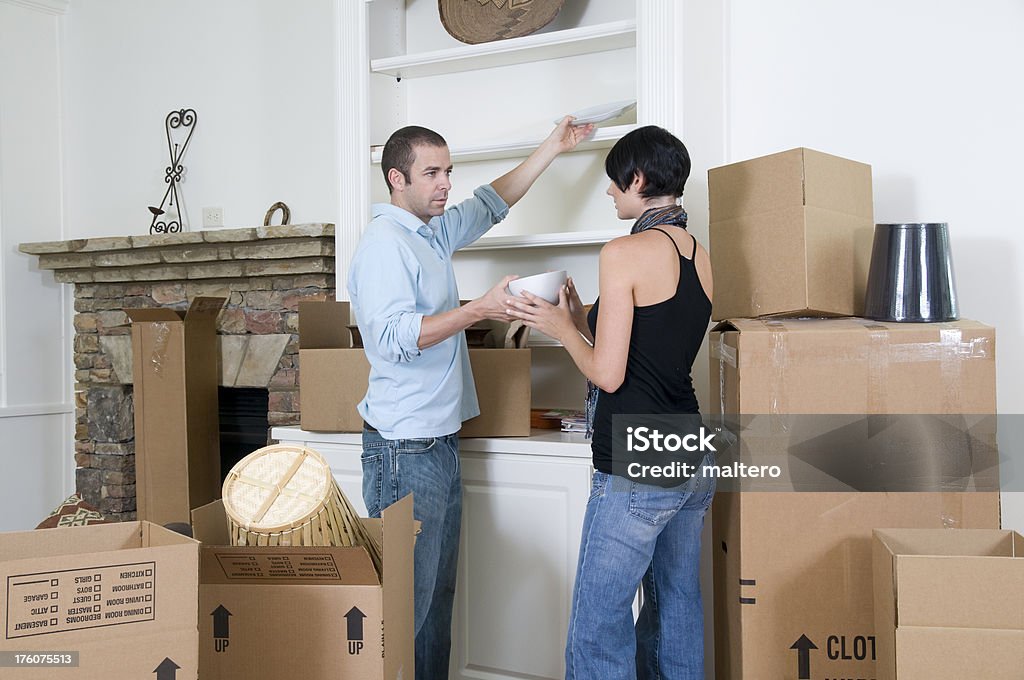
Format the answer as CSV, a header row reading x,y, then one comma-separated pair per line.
x,y
662,347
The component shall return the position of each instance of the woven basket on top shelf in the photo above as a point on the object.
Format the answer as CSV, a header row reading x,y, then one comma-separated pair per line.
x,y
286,495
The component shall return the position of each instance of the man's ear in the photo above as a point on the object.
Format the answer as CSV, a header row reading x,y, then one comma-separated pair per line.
x,y
396,178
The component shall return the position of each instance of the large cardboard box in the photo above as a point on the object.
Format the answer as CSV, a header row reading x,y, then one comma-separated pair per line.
x,y
852,366
790,234
177,430
793,571
120,598
949,604
316,613
333,378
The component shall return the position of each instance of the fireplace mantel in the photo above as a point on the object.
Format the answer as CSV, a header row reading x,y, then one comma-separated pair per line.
x,y
264,272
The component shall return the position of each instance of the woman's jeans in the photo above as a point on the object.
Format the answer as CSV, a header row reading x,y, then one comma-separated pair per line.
x,y
428,469
633,534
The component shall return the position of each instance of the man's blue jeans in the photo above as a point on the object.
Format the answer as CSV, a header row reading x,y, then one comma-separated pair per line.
x,y
637,534
429,469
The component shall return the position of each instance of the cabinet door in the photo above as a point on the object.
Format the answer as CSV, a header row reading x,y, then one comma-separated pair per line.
x,y
521,523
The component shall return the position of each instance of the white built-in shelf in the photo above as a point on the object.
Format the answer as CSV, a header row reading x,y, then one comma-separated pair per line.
x,y
565,238
602,138
537,47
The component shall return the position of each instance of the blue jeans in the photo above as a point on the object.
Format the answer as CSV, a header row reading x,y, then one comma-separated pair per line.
x,y
429,469
633,535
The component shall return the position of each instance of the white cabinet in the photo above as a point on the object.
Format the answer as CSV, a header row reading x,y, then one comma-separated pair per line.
x,y
521,522
522,513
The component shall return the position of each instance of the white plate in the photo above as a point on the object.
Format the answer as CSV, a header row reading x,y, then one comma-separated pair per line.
x,y
601,112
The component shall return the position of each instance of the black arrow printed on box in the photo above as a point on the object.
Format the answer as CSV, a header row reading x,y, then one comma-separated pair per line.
x,y
220,621
167,670
355,623
803,645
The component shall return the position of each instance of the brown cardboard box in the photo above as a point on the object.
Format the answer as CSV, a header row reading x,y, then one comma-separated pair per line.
x,y
949,604
319,613
120,596
333,379
793,586
177,432
764,366
791,235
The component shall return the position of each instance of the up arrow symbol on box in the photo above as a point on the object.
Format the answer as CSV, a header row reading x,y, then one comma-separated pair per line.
x,y
167,670
355,623
220,621
803,645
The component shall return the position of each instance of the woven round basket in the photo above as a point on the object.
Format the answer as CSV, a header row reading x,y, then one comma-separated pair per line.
x,y
479,21
286,495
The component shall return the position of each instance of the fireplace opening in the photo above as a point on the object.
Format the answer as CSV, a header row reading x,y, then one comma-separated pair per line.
x,y
244,426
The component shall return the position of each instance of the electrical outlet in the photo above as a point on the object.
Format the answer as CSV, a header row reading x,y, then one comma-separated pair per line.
x,y
213,217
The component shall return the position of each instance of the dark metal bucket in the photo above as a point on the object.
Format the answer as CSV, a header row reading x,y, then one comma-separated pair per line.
x,y
911,275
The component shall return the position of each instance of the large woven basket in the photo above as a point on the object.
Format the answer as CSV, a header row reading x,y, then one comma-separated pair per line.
x,y
286,495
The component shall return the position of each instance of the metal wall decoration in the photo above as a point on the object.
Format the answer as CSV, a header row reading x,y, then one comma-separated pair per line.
x,y
179,126
286,214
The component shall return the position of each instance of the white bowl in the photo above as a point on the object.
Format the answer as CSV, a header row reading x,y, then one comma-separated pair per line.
x,y
544,285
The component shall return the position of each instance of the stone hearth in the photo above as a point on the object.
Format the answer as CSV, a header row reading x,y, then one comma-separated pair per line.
x,y
264,272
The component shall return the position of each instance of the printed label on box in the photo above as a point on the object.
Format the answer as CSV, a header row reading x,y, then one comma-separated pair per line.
x,y
74,599
297,566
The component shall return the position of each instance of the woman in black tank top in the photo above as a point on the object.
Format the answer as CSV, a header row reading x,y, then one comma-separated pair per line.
x,y
636,348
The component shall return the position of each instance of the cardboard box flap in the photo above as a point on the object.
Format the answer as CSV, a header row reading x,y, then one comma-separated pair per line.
x,y
151,314
757,185
210,524
960,592
287,565
222,563
930,542
155,536
952,578
398,530
797,177
99,538
204,309
837,184
324,325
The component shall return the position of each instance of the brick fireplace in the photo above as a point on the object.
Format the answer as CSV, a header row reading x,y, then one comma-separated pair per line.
x,y
264,272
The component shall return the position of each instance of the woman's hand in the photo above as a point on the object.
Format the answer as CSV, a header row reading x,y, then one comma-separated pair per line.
x,y
555,321
576,308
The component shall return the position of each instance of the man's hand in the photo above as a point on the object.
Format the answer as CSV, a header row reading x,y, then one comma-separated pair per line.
x,y
566,136
514,184
491,305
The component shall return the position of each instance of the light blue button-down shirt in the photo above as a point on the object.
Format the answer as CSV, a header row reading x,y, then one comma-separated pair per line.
x,y
401,272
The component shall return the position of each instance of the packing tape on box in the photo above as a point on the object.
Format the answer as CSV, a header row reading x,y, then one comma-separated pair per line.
x,y
952,510
725,355
159,356
779,359
878,364
951,366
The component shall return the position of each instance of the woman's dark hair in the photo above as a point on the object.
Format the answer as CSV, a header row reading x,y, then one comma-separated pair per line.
x,y
400,150
656,154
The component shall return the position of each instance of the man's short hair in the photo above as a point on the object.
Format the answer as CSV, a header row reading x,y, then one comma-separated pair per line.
x,y
400,150
655,153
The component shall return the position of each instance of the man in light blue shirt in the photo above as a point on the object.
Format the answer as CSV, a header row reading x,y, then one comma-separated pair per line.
x,y
421,389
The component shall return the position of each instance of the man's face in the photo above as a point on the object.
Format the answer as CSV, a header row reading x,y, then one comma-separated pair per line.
x,y
426,192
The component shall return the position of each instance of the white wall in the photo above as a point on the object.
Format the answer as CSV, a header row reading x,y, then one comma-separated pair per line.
x,y
262,76
36,456
926,92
